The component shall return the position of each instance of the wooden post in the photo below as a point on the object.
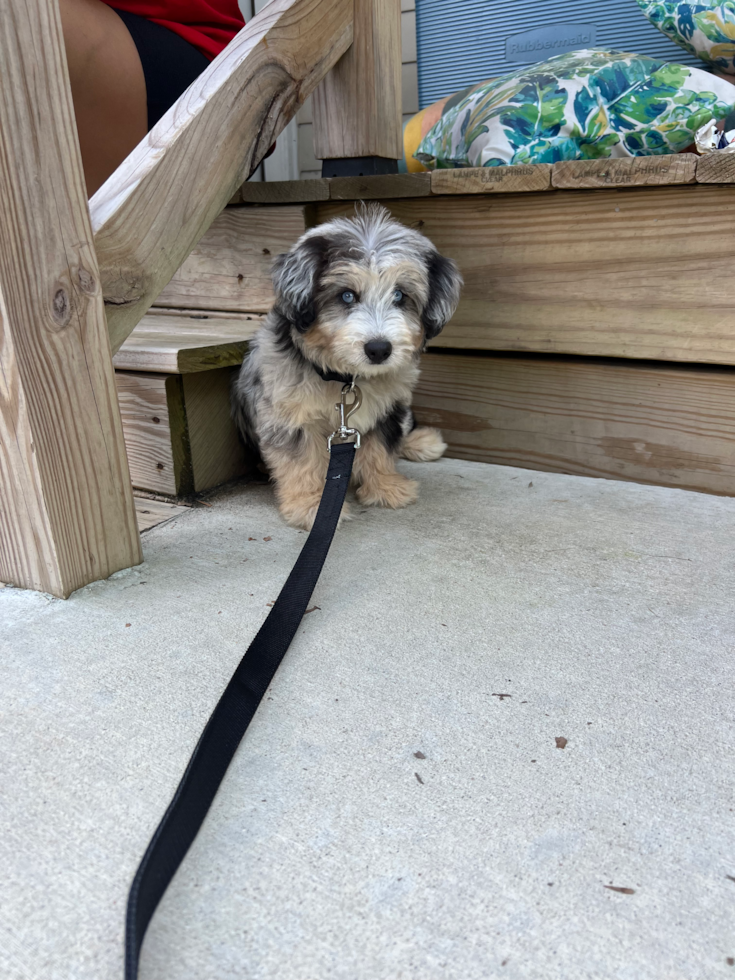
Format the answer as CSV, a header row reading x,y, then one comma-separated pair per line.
x,y
66,504
357,108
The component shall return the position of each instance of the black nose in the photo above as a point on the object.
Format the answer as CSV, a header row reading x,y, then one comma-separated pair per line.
x,y
378,350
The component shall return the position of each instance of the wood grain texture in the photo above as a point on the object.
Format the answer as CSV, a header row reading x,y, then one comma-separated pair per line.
x,y
372,188
357,108
570,175
187,343
491,180
180,311
282,192
66,507
716,168
230,267
152,211
178,430
217,454
379,187
151,513
677,168
147,427
643,273
667,425
179,425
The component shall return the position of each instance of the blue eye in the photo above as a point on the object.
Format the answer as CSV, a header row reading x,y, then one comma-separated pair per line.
x,y
348,297
397,296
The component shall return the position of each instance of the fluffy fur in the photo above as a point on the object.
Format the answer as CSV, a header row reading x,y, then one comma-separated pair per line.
x,y
344,285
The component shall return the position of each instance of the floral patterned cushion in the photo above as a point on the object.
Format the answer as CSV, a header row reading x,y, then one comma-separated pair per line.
x,y
706,30
583,105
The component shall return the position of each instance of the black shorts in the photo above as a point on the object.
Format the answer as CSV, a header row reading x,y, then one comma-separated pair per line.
x,y
170,64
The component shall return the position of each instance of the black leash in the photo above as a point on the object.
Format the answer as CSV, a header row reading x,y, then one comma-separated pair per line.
x,y
235,709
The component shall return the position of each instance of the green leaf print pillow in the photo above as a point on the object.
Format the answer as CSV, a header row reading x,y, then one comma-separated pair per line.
x,y
583,105
706,30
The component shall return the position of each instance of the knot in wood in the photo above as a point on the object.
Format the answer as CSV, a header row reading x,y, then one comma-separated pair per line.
x,y
86,280
61,307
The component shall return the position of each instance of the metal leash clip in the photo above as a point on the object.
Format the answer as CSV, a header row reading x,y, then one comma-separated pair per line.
x,y
346,409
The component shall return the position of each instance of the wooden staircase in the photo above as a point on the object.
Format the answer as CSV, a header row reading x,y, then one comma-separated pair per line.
x,y
76,276
174,371
173,377
596,332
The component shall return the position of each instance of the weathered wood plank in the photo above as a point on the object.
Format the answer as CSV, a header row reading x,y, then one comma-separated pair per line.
x,y
371,188
615,273
180,311
147,426
667,425
716,168
282,192
676,168
178,430
217,453
187,343
151,513
570,175
151,212
379,187
491,180
66,507
230,267
357,108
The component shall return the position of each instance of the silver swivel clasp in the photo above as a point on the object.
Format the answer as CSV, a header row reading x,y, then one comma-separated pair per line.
x,y
345,409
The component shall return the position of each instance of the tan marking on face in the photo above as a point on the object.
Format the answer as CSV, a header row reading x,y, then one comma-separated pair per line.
x,y
317,341
375,283
344,275
338,336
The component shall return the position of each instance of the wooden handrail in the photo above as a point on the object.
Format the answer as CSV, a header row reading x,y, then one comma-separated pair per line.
x,y
151,212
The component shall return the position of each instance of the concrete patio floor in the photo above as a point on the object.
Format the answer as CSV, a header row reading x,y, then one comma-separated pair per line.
x,y
399,809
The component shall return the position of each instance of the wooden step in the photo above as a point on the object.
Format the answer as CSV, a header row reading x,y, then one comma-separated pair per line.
x,y
672,425
185,342
151,513
173,378
229,269
627,172
623,270
640,273
597,264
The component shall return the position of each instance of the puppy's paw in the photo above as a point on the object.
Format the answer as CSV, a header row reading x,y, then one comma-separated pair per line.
x,y
423,445
303,513
389,490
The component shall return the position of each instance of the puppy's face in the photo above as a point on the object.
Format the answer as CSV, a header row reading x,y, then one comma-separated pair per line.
x,y
362,296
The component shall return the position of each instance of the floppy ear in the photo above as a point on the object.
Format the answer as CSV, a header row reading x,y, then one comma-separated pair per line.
x,y
295,276
445,281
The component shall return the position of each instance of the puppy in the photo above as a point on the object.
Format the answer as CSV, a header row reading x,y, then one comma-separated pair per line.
x,y
355,299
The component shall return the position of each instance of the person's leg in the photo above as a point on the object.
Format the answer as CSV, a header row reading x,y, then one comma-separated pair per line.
x,y
170,64
107,85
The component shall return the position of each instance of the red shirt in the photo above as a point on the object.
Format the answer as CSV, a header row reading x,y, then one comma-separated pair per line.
x,y
209,25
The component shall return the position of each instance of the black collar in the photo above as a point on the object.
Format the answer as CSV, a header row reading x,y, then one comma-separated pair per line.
x,y
344,379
